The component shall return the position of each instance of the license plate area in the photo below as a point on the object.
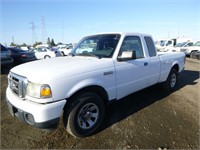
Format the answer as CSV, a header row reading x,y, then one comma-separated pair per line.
x,y
12,109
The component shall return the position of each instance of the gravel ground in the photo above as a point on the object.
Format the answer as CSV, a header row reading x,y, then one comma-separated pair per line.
x,y
146,119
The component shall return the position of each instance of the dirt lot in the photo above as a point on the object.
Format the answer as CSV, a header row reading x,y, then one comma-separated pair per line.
x,y
146,119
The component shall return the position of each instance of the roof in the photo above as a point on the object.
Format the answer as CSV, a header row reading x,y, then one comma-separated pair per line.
x,y
122,33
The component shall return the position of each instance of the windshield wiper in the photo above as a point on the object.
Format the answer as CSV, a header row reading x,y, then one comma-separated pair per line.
x,y
89,54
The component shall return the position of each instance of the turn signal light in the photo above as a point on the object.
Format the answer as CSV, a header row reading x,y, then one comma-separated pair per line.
x,y
45,92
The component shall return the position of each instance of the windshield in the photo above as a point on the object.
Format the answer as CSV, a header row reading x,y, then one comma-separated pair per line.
x,y
2,48
101,46
163,43
197,44
180,44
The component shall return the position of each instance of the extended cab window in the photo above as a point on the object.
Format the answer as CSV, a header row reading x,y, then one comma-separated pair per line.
x,y
132,43
150,46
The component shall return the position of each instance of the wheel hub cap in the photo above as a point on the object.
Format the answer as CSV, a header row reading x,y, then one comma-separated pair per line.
x,y
173,80
88,116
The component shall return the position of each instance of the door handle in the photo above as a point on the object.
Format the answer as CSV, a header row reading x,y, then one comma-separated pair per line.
x,y
146,63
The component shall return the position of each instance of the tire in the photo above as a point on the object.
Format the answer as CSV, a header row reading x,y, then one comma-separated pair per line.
x,y
84,114
63,54
191,54
170,84
46,57
196,55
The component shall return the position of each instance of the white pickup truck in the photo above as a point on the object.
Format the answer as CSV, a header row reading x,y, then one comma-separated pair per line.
x,y
102,68
190,50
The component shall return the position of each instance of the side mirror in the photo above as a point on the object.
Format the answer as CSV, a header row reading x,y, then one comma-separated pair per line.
x,y
127,55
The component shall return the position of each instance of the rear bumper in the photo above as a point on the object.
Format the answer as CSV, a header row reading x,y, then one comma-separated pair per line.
x,y
20,61
45,116
6,62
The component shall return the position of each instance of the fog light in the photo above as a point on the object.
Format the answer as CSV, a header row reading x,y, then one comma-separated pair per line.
x,y
29,118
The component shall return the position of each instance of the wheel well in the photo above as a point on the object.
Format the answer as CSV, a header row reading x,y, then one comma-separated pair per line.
x,y
176,67
194,51
95,89
46,56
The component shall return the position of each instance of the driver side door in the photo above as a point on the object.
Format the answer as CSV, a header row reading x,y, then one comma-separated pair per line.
x,y
131,75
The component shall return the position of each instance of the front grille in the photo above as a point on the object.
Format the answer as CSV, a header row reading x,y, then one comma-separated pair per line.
x,y
17,84
183,50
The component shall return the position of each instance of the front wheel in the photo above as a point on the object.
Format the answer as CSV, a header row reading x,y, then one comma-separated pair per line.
x,y
84,114
170,84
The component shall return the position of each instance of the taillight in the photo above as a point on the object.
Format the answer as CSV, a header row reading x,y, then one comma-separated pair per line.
x,y
24,56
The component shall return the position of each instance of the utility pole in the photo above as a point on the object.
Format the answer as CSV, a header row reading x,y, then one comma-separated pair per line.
x,y
43,30
179,31
33,32
168,34
13,40
62,32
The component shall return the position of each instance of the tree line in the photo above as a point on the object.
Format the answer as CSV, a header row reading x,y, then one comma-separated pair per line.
x,y
50,42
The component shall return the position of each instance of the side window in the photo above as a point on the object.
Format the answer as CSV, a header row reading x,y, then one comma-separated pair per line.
x,y
39,50
190,44
150,46
132,43
169,42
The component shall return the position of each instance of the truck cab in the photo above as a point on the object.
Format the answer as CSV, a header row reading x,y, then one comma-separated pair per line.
x,y
164,44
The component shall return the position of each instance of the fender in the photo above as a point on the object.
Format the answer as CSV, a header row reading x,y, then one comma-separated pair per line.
x,y
91,82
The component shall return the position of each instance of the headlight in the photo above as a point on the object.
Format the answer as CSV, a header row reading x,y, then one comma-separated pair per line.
x,y
38,91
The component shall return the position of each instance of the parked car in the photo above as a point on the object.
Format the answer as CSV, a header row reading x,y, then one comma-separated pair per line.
x,y
164,45
177,47
6,59
191,49
43,53
56,51
65,50
21,56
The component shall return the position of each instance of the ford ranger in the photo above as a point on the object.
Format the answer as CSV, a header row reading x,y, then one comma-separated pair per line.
x,y
101,68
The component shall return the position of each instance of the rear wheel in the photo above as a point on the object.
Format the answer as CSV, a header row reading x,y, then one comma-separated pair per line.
x,y
46,57
192,55
196,55
84,114
170,84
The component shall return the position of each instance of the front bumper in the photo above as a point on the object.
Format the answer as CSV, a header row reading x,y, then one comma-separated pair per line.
x,y
45,116
187,52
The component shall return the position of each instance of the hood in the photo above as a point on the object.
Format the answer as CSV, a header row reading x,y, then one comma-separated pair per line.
x,y
193,47
60,67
